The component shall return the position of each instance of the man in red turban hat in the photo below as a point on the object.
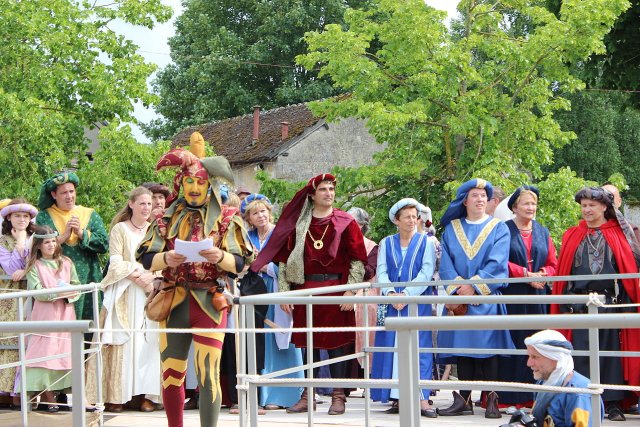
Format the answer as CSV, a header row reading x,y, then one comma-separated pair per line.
x,y
317,245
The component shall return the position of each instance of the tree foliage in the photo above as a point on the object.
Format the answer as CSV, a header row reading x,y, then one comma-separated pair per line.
x,y
607,131
619,66
452,105
229,55
119,166
62,69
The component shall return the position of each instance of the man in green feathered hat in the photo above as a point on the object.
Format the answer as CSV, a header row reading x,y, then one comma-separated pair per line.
x,y
81,232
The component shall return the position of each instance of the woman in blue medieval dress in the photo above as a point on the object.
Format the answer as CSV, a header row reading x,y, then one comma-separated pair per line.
x,y
407,256
256,209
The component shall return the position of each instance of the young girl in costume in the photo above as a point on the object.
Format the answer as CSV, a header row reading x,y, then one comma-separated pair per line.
x,y
14,252
48,268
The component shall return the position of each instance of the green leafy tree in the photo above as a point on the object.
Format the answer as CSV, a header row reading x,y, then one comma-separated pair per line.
x,y
477,101
62,69
105,183
229,55
607,131
618,67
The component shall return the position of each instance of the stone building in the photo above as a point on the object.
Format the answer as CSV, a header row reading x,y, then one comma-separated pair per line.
x,y
289,143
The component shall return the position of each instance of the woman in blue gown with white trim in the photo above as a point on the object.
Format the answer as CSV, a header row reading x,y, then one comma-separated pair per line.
x,y
407,256
256,209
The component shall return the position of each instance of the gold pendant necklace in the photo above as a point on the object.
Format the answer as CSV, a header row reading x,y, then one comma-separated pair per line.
x,y
318,244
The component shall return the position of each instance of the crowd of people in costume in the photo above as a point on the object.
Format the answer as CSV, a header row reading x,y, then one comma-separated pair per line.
x,y
312,245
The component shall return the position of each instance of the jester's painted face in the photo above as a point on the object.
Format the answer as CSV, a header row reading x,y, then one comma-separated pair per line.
x,y
195,190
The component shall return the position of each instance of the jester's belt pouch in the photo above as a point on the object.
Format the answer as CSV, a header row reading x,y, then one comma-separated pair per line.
x,y
158,304
216,289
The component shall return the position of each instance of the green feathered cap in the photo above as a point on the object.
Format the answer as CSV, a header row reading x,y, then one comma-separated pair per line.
x,y
218,166
219,171
45,200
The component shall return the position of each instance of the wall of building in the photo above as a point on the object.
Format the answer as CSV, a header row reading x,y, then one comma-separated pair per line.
x,y
346,143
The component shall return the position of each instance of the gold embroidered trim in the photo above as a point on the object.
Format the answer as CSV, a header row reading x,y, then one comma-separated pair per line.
x,y
451,289
482,287
472,250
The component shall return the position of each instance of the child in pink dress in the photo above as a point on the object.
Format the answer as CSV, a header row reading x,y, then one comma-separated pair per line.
x,y
48,268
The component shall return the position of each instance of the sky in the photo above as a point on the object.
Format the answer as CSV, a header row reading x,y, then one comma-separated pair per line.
x,y
154,48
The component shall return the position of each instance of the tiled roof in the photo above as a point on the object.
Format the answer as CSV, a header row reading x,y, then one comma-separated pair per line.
x,y
232,137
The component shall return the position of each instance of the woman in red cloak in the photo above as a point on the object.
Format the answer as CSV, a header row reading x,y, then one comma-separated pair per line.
x,y
603,243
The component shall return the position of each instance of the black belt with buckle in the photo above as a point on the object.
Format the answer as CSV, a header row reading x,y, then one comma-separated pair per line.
x,y
321,277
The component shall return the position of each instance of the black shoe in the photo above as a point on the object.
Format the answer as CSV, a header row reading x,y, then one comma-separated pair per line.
x,y
395,409
492,410
43,407
191,404
63,400
615,414
429,413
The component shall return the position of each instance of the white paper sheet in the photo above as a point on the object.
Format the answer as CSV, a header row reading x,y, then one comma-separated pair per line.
x,y
191,249
282,320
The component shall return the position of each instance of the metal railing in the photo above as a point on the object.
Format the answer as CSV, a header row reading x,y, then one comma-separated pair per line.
x,y
407,328
76,328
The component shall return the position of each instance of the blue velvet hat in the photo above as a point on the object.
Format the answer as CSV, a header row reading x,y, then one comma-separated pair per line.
x,y
401,204
516,194
252,198
456,208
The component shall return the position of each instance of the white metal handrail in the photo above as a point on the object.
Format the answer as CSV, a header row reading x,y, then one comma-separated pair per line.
x,y
76,328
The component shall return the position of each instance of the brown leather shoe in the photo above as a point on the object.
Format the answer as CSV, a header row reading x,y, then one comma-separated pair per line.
x,y
147,406
190,404
338,401
459,406
301,405
113,407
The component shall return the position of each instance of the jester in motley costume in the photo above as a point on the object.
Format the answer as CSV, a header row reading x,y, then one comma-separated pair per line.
x,y
549,358
474,246
81,232
195,216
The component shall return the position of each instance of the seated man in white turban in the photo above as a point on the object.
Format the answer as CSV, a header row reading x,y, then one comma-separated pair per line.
x,y
552,365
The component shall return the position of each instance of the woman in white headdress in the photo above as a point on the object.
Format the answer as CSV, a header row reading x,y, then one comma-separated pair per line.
x,y
407,256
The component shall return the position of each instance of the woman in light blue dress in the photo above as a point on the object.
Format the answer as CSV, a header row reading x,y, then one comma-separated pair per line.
x,y
256,209
407,256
